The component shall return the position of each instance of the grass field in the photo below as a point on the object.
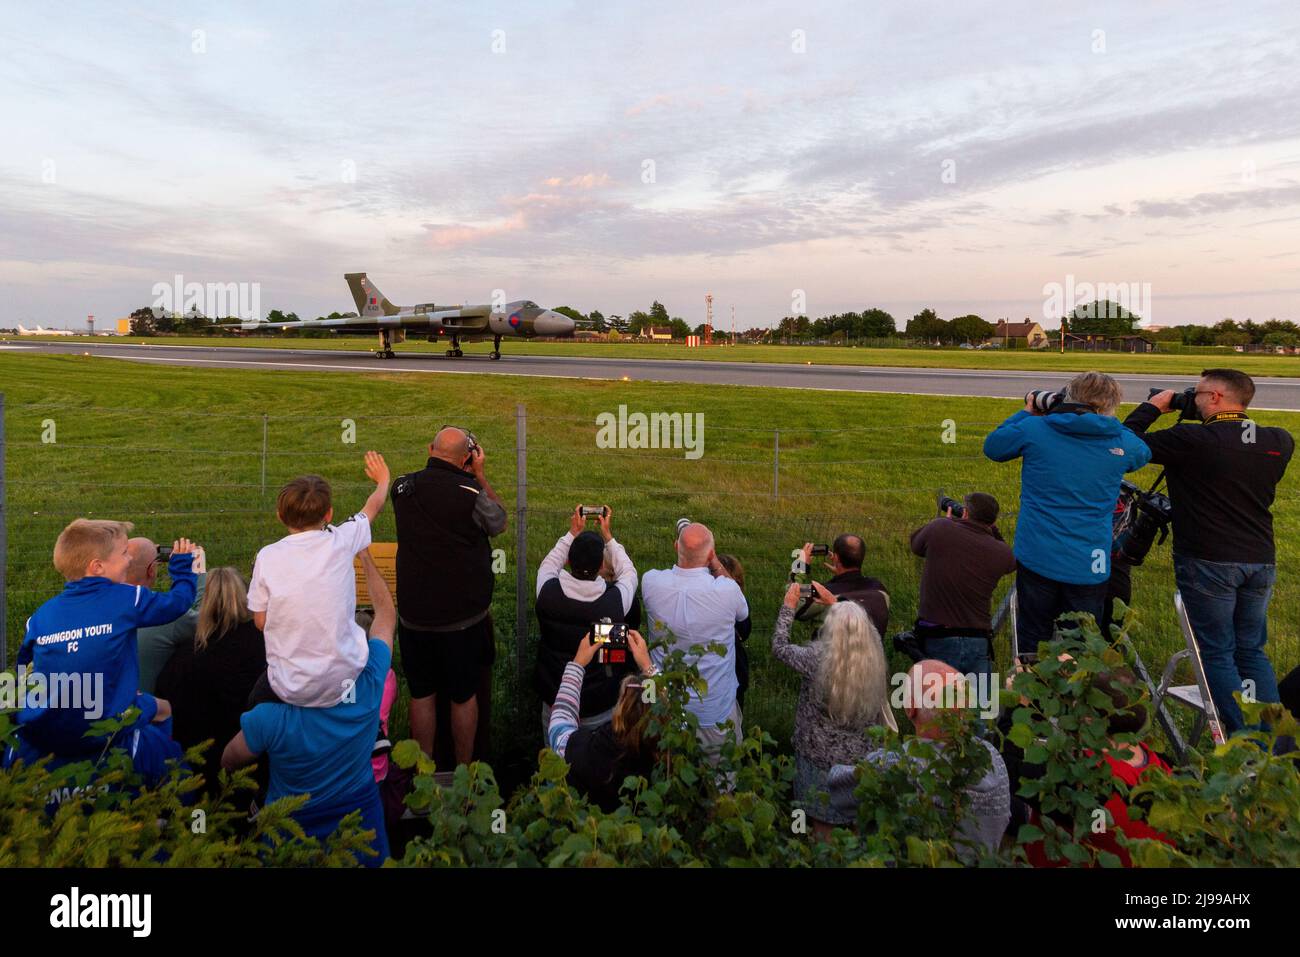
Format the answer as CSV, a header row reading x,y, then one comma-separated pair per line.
x,y
180,452
1013,359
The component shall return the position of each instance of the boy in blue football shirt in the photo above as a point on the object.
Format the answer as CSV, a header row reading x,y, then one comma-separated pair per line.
x,y
80,658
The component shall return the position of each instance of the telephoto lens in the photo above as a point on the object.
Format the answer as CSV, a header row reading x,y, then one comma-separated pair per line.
x,y
681,524
945,503
1044,400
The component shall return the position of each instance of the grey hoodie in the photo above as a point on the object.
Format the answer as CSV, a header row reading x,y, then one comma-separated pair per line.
x,y
987,814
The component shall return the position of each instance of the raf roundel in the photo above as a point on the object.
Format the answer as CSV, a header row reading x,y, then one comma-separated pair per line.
x,y
514,320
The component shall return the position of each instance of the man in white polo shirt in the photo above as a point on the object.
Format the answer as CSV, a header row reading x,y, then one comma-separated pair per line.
x,y
695,603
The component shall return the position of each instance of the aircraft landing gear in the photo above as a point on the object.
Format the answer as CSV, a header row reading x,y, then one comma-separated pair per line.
x,y
454,352
386,345
496,348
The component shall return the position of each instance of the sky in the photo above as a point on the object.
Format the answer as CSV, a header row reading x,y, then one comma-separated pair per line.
x,y
814,157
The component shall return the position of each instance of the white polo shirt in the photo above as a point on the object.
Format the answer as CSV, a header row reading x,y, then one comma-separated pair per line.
x,y
306,585
698,609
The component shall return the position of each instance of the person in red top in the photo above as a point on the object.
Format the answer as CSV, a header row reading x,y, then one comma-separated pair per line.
x,y
1128,763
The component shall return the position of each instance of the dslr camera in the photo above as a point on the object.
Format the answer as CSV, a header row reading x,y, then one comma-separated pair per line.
x,y
610,640
1184,402
1045,400
947,502
681,524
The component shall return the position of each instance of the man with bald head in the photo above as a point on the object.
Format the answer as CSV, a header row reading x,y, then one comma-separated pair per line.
x,y
156,645
695,603
931,689
446,515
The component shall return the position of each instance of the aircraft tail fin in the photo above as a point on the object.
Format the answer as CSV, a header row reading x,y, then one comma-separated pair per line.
x,y
22,331
369,300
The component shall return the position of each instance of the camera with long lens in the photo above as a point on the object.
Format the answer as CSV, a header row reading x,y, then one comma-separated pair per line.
x,y
1145,515
1045,400
681,524
610,639
948,502
1184,402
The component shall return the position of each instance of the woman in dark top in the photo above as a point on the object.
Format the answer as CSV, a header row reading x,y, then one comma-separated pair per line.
x,y
600,757
736,572
208,682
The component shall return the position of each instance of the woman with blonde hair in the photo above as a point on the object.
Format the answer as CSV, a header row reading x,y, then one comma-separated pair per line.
x,y
209,681
845,691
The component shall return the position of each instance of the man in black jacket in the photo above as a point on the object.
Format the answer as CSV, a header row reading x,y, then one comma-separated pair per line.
x,y
446,514
1222,477
848,583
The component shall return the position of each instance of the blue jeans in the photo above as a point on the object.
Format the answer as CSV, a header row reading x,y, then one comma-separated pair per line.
x,y
967,655
1227,605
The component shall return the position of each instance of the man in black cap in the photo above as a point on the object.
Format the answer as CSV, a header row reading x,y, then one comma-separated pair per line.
x,y
568,601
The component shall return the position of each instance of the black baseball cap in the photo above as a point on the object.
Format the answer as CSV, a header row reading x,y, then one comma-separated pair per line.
x,y
585,555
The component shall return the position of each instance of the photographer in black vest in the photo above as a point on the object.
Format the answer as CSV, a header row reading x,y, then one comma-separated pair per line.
x,y
446,513
569,600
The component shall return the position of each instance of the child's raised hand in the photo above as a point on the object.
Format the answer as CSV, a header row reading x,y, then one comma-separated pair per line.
x,y
377,469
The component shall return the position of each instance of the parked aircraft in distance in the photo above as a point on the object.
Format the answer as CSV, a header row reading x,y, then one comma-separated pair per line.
x,y
38,331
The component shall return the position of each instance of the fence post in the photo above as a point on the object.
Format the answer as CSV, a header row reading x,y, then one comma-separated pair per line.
x,y
776,465
4,547
264,426
521,537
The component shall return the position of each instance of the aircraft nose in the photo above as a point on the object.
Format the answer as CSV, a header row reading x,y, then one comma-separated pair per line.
x,y
552,324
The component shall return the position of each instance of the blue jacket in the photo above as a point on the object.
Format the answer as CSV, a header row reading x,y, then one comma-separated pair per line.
x,y
89,629
1068,487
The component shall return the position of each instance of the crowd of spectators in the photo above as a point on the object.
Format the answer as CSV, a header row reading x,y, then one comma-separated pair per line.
x,y
285,673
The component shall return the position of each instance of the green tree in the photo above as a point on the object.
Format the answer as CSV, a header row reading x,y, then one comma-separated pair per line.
x,y
659,314
638,322
143,322
598,321
1104,318
680,329
970,329
927,325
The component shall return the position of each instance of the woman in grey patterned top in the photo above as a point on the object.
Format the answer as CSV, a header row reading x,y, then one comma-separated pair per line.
x,y
844,692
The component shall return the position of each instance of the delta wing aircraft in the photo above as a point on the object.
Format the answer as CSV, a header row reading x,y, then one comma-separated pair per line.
x,y
449,323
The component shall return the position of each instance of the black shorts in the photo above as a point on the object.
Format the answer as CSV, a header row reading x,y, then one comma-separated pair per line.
x,y
446,662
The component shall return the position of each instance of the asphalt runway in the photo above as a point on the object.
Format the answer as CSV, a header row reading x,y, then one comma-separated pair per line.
x,y
1271,393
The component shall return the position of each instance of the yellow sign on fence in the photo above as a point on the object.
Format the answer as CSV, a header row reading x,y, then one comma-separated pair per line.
x,y
385,557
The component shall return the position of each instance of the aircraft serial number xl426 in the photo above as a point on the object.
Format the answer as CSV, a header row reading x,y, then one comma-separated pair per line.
x,y
375,314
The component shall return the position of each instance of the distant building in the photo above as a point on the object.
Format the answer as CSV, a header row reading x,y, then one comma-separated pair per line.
x,y
1092,342
1027,333
658,333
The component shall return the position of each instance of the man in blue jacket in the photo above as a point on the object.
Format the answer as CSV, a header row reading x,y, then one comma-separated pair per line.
x,y
1074,458
80,655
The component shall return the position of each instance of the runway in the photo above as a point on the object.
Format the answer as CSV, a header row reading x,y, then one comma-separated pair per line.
x,y
1272,393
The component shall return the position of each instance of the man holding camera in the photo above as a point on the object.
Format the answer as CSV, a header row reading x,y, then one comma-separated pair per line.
x,y
965,558
1222,474
692,604
446,515
1075,454
569,601
844,559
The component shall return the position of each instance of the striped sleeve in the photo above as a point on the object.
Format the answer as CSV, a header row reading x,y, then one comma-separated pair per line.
x,y
564,713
